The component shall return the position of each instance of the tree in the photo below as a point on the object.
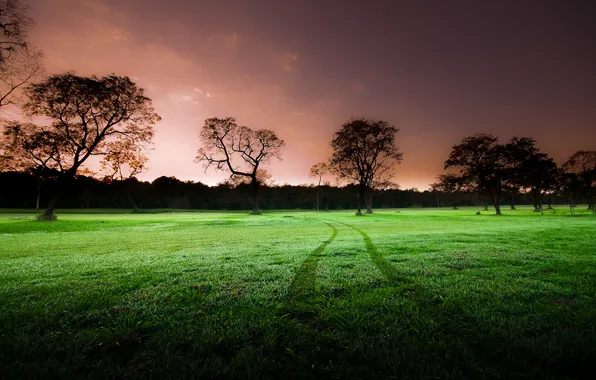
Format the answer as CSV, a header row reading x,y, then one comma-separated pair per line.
x,y
435,189
121,164
20,62
482,164
90,117
531,171
364,151
319,170
238,150
449,184
583,164
570,186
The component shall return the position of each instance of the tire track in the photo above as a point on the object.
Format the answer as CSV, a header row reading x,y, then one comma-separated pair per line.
x,y
303,283
377,258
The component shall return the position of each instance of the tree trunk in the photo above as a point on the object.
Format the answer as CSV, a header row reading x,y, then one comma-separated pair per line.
x,y
49,212
534,197
255,197
495,200
38,194
318,207
513,201
539,201
359,200
438,201
550,200
369,200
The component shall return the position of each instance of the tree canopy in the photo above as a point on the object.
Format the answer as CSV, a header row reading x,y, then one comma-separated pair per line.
x,y
531,171
583,164
89,116
238,150
482,164
364,152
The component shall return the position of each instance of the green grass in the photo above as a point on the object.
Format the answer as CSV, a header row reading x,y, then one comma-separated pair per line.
x,y
408,294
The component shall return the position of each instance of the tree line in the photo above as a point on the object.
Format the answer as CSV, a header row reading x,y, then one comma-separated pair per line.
x,y
24,190
109,120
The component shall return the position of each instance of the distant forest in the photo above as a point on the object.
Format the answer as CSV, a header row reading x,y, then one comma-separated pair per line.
x,y
21,190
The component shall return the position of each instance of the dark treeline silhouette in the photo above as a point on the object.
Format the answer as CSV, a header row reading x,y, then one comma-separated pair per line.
x,y
21,190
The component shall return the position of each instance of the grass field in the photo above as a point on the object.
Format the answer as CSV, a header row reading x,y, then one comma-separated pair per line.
x,y
409,294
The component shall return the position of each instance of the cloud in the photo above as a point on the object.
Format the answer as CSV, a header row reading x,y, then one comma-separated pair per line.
x,y
289,61
231,42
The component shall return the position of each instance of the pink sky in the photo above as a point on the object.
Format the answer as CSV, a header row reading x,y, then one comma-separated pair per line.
x,y
304,78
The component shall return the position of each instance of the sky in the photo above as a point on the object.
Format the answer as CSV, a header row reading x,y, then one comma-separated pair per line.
x,y
438,70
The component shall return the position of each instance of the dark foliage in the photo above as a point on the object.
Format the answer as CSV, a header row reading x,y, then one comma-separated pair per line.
x,y
20,190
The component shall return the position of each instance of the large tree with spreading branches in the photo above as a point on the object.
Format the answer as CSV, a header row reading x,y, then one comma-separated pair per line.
x,y
364,152
482,165
89,117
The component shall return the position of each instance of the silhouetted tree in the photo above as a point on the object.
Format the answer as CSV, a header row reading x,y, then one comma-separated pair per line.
x,y
122,162
531,171
319,170
569,188
238,150
364,151
583,164
89,117
482,164
435,189
449,184
20,62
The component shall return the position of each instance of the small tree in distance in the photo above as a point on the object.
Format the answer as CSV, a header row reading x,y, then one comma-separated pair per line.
x,y
449,184
319,170
364,152
122,163
238,150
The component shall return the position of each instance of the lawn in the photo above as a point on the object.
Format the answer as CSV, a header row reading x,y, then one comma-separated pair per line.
x,y
397,294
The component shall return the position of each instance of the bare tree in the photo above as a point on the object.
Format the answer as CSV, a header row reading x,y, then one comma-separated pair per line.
x,y
123,160
20,62
364,151
122,163
319,170
89,116
238,150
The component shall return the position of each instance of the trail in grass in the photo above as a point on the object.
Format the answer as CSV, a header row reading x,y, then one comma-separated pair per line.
x,y
303,283
377,258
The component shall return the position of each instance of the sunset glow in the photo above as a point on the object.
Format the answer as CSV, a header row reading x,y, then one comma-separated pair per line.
x,y
436,72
